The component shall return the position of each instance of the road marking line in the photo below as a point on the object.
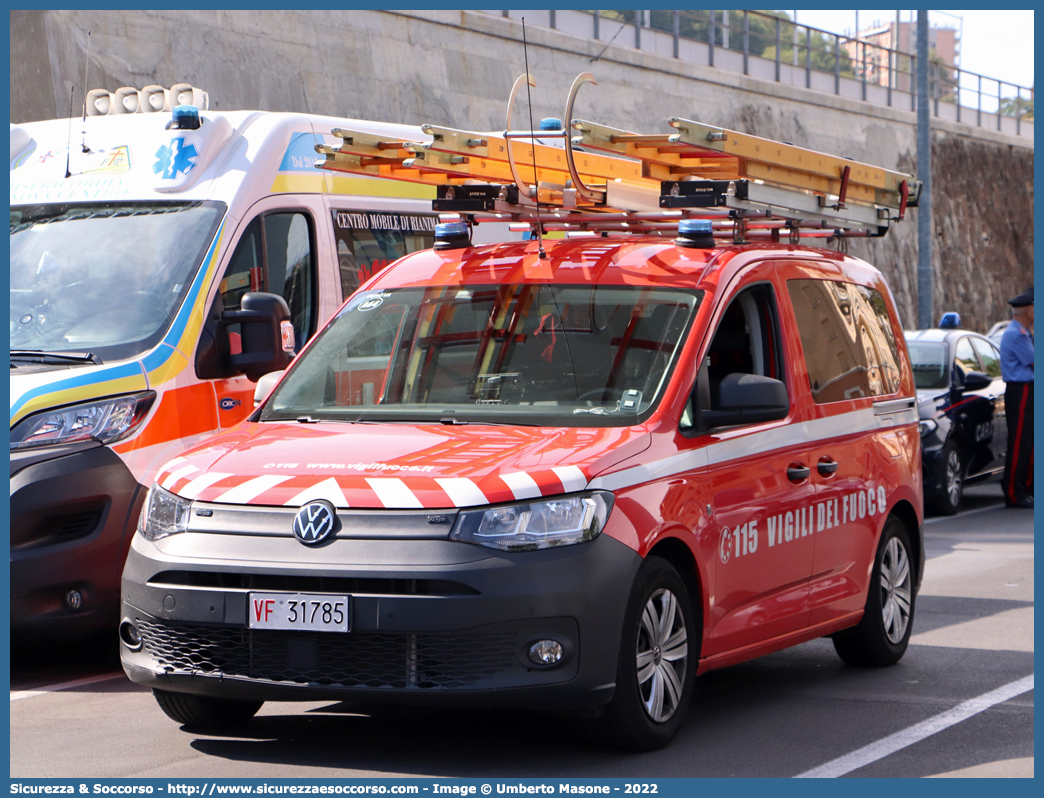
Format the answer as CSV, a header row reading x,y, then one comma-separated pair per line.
x,y
939,518
17,695
907,737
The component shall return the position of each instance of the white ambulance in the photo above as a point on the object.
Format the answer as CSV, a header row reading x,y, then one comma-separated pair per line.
x,y
163,258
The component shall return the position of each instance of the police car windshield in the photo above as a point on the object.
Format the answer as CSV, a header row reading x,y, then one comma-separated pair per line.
x,y
930,365
573,356
103,277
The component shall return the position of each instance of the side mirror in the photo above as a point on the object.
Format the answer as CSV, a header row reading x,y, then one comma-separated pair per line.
x,y
266,333
976,381
265,386
747,399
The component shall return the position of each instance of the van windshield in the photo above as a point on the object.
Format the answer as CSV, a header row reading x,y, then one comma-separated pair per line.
x,y
527,354
106,278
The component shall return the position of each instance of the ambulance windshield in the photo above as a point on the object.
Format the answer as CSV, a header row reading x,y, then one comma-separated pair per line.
x,y
515,354
104,278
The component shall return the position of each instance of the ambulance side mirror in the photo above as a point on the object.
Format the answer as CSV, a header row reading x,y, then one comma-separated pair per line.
x,y
747,399
266,334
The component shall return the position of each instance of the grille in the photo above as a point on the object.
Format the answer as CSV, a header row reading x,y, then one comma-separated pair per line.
x,y
313,584
402,661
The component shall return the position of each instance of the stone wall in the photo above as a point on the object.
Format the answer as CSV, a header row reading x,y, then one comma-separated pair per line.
x,y
456,68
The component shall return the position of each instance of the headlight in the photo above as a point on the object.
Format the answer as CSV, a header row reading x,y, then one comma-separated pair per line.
x,y
927,426
163,514
536,525
108,421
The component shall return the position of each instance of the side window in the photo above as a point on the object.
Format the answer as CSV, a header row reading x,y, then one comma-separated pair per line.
x,y
848,340
964,359
367,242
275,254
747,341
989,356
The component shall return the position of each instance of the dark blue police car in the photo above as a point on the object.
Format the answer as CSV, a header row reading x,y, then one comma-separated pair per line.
x,y
960,396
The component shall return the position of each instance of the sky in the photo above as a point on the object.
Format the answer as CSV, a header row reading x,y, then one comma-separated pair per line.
x,y
997,44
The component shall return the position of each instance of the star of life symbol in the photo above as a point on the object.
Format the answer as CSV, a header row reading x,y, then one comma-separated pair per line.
x,y
175,159
314,523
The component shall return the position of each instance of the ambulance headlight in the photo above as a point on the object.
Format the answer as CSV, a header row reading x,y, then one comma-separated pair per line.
x,y
108,421
163,514
536,525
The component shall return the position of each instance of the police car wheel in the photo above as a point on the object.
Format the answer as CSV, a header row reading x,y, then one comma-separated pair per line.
x,y
658,653
948,500
205,712
883,634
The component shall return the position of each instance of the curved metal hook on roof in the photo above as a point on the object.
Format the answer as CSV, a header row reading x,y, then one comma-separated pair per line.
x,y
578,184
523,189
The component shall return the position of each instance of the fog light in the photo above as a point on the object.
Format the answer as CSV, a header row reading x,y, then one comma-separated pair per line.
x,y
546,652
74,600
129,635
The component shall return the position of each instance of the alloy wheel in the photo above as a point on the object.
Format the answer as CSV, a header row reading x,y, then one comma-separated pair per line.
x,y
895,590
662,655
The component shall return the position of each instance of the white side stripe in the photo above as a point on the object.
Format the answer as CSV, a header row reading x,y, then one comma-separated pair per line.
x,y
327,489
170,465
200,484
241,494
462,492
755,443
572,478
522,485
174,477
393,493
914,734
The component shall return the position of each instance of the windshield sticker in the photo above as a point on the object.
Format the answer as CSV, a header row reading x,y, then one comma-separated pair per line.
x,y
175,159
371,303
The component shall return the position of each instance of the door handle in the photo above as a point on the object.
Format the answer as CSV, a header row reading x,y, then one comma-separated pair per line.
x,y
797,472
827,467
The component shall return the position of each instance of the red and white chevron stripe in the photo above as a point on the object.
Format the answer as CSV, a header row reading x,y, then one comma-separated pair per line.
x,y
402,492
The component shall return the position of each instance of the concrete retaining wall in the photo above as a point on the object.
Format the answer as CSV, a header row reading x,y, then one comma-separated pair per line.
x,y
456,68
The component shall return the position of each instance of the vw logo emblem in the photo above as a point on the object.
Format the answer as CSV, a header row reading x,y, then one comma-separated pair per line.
x,y
314,523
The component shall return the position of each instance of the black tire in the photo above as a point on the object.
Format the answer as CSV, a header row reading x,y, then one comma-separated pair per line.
x,y
205,712
635,720
947,501
881,637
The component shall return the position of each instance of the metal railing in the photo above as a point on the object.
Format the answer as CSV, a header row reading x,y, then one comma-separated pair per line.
x,y
807,56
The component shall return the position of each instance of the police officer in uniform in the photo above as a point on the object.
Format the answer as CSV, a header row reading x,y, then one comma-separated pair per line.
x,y
1017,370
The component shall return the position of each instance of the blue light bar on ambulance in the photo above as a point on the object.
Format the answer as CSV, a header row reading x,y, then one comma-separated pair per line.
x,y
452,235
695,234
184,117
550,123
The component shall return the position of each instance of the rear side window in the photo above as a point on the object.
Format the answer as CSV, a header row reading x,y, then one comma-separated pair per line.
x,y
848,340
989,356
369,241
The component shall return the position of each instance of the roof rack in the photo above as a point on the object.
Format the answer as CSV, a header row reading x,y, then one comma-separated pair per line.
x,y
603,179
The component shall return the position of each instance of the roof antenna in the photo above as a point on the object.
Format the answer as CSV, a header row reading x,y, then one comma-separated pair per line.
x,y
86,66
532,143
68,150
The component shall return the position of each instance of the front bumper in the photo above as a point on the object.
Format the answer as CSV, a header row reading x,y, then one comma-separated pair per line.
x,y
73,509
433,621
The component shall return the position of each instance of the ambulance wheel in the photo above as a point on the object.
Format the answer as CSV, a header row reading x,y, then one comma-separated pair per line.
x,y
883,634
948,500
658,652
205,712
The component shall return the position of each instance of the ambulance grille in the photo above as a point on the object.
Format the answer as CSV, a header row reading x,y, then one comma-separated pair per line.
x,y
396,661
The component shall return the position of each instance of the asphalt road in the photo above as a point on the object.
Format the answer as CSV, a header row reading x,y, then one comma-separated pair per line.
x,y
796,712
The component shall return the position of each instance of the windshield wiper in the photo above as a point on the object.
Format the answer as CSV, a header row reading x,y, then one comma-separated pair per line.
x,y
39,356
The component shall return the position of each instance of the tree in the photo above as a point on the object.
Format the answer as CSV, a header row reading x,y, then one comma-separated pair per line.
x,y
1010,106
